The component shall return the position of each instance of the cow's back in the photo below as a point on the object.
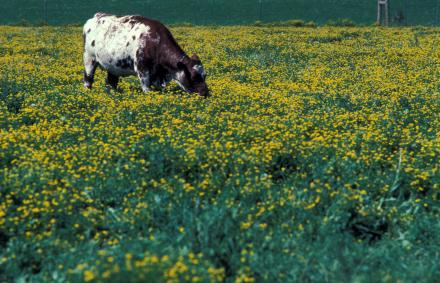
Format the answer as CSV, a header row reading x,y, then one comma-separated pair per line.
x,y
114,41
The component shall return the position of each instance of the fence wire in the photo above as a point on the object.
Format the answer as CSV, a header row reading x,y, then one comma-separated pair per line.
x,y
220,12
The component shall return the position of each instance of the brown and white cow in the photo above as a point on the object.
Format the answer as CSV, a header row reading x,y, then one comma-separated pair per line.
x,y
134,45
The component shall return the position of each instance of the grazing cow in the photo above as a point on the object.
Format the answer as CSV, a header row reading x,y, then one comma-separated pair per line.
x,y
134,45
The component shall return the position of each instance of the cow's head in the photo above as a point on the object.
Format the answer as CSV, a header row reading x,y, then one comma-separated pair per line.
x,y
191,76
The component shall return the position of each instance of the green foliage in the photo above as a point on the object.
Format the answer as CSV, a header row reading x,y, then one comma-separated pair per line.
x,y
220,12
340,23
289,23
306,165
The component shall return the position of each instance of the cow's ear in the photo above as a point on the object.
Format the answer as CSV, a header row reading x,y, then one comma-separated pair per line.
x,y
182,67
195,57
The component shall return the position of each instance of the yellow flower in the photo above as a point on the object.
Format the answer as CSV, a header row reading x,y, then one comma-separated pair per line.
x,y
88,275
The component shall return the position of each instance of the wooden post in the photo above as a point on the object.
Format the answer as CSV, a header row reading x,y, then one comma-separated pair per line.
x,y
383,7
387,14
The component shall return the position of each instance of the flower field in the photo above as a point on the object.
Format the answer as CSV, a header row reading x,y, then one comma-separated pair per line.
x,y
315,160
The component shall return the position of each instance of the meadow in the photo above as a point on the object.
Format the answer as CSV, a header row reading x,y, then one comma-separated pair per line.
x,y
315,160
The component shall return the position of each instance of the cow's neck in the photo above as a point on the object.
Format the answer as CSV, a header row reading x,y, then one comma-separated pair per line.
x,y
176,55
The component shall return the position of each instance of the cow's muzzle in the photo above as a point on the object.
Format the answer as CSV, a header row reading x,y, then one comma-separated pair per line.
x,y
203,91
205,94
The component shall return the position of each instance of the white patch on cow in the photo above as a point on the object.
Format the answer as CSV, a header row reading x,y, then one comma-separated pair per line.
x,y
114,44
199,69
145,81
87,84
178,77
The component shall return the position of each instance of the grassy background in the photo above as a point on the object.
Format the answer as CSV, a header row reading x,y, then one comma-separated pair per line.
x,y
421,12
315,160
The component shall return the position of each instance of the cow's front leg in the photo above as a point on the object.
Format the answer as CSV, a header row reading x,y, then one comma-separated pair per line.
x,y
90,65
144,77
112,80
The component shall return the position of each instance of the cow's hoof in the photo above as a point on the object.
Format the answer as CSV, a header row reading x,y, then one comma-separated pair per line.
x,y
87,85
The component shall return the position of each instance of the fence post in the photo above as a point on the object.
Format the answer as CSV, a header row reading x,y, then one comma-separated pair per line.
x,y
383,5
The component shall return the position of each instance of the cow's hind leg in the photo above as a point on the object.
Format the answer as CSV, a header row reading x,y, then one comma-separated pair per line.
x,y
112,80
90,65
144,77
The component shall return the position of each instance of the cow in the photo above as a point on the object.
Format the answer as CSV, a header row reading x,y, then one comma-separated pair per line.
x,y
134,45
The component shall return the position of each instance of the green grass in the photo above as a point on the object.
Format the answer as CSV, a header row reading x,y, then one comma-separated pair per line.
x,y
238,180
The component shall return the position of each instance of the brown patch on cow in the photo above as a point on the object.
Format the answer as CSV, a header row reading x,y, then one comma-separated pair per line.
x,y
130,21
93,43
127,63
